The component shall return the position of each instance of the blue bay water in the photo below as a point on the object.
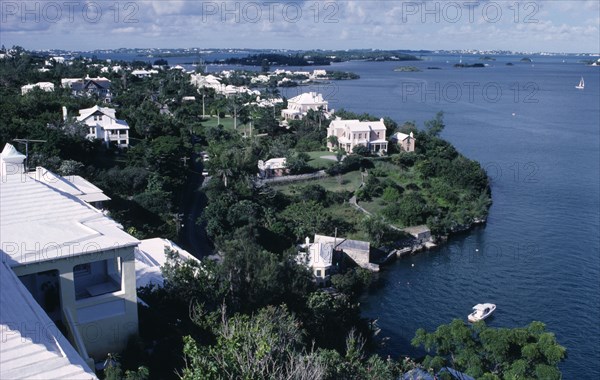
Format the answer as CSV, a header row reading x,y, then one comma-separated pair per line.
x,y
538,256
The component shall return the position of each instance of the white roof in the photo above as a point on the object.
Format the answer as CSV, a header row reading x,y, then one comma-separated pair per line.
x,y
308,98
87,112
402,136
68,81
272,164
341,243
150,256
73,185
144,72
43,85
40,222
357,125
32,346
320,255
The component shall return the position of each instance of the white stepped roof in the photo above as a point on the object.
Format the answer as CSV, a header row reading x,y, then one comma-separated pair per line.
x,y
32,346
41,223
73,185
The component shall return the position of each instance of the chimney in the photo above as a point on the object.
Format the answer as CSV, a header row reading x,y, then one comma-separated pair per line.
x,y
64,110
12,161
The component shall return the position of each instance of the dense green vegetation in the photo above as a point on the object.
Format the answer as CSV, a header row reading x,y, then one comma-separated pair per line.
x,y
256,313
488,353
271,59
319,58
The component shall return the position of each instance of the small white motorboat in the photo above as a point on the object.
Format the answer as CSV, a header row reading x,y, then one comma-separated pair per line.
x,y
481,311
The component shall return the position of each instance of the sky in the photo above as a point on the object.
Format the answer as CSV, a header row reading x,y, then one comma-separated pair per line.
x,y
571,26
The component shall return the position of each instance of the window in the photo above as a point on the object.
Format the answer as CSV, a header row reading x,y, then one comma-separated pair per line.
x,y
318,273
82,269
97,278
377,134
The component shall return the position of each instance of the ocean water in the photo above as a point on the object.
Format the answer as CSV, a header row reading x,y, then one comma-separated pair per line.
x,y
538,256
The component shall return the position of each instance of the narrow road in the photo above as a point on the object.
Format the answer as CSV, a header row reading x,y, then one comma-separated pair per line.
x,y
193,236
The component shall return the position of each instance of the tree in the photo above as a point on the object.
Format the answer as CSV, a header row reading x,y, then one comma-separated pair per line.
x,y
266,345
334,141
493,353
361,150
264,66
297,162
435,126
306,219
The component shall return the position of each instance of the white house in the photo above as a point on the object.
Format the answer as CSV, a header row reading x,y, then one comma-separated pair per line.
x,y
351,133
405,142
298,106
318,257
208,81
144,73
77,264
45,86
104,125
275,167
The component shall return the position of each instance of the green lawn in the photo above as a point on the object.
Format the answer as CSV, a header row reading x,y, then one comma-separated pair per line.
x,y
227,123
348,182
352,217
320,163
374,206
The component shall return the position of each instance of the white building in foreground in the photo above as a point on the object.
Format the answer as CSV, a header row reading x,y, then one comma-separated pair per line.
x,y
351,133
77,264
33,347
104,125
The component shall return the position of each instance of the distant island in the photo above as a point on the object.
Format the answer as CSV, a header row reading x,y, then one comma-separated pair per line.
x,y
315,58
466,65
407,69
526,59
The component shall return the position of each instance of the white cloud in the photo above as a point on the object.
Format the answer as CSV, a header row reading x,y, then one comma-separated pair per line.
x,y
320,24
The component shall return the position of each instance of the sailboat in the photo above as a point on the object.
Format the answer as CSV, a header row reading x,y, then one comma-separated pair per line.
x,y
581,84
